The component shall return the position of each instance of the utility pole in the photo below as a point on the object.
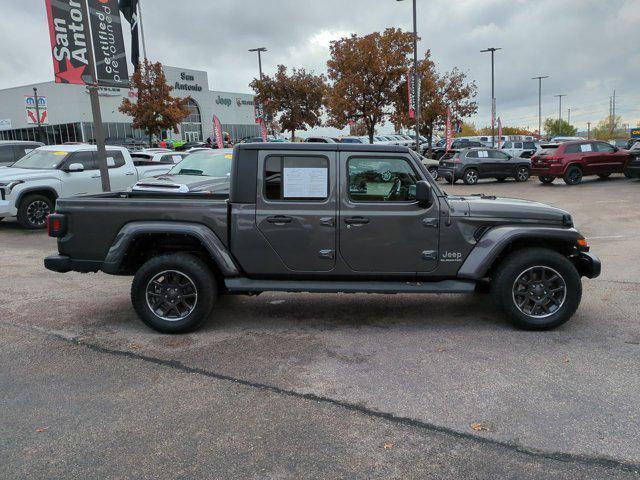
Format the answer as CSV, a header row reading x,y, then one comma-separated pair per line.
x,y
588,130
259,50
569,116
416,78
493,95
98,128
560,106
540,78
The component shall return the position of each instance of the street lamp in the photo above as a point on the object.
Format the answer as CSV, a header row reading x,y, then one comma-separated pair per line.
x,y
540,78
560,105
259,50
415,74
493,96
35,99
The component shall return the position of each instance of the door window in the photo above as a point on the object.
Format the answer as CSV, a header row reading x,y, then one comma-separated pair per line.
x,y
381,180
529,146
498,155
86,159
604,147
507,145
296,178
517,145
472,154
115,159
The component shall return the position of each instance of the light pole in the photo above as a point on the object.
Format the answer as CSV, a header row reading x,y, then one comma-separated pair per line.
x,y
259,50
416,77
540,78
560,105
35,98
493,95
569,116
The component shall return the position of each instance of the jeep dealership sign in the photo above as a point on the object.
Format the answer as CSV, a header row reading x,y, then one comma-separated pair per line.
x,y
69,34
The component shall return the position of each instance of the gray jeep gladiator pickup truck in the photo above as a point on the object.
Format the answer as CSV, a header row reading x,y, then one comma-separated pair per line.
x,y
324,218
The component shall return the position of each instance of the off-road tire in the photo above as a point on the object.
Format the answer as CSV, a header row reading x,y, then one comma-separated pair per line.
x,y
515,264
546,179
196,271
573,175
33,210
470,176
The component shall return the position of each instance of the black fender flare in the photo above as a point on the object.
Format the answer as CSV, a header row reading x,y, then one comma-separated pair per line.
x,y
128,233
493,243
30,190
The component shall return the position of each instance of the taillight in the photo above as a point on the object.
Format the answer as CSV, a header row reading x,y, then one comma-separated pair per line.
x,y
56,225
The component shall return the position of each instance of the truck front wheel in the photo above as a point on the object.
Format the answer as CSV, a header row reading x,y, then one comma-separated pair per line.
x,y
537,288
174,293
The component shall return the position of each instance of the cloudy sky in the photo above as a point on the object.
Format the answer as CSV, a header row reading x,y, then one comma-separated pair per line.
x,y
587,47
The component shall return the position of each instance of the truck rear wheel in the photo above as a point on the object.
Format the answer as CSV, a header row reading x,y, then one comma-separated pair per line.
x,y
174,293
537,288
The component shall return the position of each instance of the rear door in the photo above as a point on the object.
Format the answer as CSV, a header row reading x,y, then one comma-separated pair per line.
x,y
296,208
382,228
121,175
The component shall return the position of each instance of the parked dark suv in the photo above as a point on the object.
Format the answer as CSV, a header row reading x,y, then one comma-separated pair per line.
x,y
472,164
456,145
573,160
13,150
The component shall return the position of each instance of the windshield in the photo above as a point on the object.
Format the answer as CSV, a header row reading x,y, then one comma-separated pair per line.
x,y
206,163
41,159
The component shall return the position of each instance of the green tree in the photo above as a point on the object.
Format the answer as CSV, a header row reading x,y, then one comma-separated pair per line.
x,y
155,109
365,73
604,130
557,127
295,100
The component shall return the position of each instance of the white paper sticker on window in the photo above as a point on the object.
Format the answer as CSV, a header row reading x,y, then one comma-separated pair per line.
x,y
585,148
305,182
111,162
483,154
176,158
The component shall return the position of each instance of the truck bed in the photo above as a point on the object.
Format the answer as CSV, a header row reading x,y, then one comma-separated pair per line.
x,y
100,217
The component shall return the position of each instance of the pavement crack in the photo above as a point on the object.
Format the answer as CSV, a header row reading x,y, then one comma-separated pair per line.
x,y
587,460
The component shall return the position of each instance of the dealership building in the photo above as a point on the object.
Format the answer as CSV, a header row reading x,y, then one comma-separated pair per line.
x,y
65,111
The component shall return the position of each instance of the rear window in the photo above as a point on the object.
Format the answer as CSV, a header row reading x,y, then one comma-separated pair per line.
x,y
548,149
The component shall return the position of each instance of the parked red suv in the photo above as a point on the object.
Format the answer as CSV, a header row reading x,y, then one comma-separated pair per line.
x,y
573,160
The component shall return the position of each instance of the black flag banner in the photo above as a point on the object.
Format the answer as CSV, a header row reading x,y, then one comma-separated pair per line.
x,y
129,9
108,44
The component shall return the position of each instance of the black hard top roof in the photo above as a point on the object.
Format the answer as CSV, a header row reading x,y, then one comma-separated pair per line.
x,y
323,147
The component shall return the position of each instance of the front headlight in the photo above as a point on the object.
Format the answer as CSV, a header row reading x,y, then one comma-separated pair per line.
x,y
10,185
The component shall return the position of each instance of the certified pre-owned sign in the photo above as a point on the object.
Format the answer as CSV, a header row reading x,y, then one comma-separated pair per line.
x,y
69,35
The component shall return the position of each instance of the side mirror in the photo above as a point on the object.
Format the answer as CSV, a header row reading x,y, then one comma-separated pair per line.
x,y
424,193
75,167
616,149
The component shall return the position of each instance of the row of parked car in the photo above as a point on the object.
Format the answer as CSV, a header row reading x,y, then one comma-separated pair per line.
x,y
570,161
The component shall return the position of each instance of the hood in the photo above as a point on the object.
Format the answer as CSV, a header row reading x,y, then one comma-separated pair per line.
x,y
11,174
184,184
512,208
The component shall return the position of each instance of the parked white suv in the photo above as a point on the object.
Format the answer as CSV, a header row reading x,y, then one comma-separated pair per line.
x,y
30,187
517,148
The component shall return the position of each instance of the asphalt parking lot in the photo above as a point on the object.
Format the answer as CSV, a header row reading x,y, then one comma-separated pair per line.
x,y
326,386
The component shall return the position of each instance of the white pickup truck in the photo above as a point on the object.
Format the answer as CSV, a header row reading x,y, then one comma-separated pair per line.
x,y
29,188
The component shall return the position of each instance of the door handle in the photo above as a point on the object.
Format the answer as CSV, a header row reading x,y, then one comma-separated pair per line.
x,y
278,219
95,176
129,173
356,221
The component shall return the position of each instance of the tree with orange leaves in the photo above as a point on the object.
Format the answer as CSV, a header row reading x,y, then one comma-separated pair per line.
x,y
155,109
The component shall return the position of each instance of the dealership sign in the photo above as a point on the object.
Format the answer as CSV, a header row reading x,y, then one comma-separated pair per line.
x,y
69,33
32,111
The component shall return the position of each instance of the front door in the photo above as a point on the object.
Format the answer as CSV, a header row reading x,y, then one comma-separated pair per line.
x,y
499,164
381,226
296,208
84,182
